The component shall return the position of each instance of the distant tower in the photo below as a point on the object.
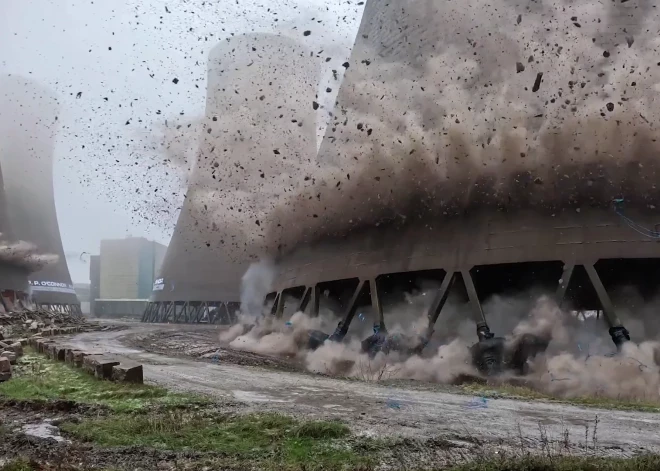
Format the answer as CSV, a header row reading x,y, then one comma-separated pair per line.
x,y
28,125
260,114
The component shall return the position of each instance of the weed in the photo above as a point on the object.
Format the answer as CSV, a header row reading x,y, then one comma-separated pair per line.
x,y
36,378
17,465
253,438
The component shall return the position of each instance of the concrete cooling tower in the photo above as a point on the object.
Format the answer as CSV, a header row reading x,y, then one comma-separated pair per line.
x,y
259,124
484,148
28,125
15,263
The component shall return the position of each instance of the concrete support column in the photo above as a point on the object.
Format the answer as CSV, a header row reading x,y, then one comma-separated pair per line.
x,y
617,331
483,331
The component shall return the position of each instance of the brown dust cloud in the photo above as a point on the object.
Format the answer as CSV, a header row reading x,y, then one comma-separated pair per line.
x,y
445,107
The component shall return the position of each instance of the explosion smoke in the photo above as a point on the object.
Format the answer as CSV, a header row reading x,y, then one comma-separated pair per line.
x,y
570,366
25,255
434,117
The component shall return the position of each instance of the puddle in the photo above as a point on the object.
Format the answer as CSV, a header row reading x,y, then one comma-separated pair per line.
x,y
252,396
43,430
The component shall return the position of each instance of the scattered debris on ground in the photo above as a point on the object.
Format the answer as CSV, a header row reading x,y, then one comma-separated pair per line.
x,y
56,416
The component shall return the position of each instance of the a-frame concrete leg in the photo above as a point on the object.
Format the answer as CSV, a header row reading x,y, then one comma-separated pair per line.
x,y
439,302
617,331
483,331
376,304
342,328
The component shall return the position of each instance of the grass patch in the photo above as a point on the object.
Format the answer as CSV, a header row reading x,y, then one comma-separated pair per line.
x,y
37,378
262,440
521,392
17,465
564,463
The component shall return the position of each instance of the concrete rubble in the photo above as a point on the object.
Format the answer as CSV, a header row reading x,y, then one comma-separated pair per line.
x,y
101,366
45,327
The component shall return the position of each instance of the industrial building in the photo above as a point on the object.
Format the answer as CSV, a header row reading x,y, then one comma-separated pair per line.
x,y
122,276
28,128
129,267
260,94
482,167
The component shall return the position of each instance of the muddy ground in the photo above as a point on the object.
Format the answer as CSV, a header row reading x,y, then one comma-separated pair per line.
x,y
31,434
416,412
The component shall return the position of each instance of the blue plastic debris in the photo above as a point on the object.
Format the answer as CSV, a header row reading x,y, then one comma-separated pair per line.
x,y
393,404
216,358
478,403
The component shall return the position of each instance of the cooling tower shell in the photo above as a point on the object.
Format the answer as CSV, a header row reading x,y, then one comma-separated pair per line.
x,y
29,123
451,212
259,104
13,277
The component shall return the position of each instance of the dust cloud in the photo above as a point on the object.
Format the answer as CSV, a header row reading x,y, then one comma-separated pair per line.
x,y
454,106
580,358
25,255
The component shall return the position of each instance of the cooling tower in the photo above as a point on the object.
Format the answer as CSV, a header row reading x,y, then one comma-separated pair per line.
x,y
259,118
490,148
14,265
28,125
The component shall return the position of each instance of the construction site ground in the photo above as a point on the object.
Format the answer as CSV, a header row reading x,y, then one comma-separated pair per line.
x,y
430,425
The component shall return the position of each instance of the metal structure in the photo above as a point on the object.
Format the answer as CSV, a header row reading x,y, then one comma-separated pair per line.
x,y
28,125
539,209
258,107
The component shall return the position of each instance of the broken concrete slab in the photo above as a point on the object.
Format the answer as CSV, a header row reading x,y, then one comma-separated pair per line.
x,y
5,376
17,348
69,355
78,358
42,345
5,365
100,365
58,352
11,356
128,372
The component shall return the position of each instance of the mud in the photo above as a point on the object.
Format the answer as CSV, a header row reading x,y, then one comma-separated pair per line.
x,y
419,413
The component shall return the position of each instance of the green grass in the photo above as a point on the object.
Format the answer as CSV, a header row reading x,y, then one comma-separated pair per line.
x,y
564,463
271,440
37,378
17,465
522,392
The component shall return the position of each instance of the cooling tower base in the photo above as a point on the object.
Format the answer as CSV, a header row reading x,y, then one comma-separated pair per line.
x,y
580,260
191,312
72,309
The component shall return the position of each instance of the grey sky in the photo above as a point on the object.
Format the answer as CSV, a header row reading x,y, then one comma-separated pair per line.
x,y
123,56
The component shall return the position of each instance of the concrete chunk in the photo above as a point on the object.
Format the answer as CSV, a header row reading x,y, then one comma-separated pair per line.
x,y
11,356
17,348
5,365
128,372
99,365
59,353
78,358
69,355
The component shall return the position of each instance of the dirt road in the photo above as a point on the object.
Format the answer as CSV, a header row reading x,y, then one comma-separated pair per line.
x,y
378,410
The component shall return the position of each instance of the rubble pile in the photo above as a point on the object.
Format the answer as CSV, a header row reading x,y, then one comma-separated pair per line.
x,y
40,316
